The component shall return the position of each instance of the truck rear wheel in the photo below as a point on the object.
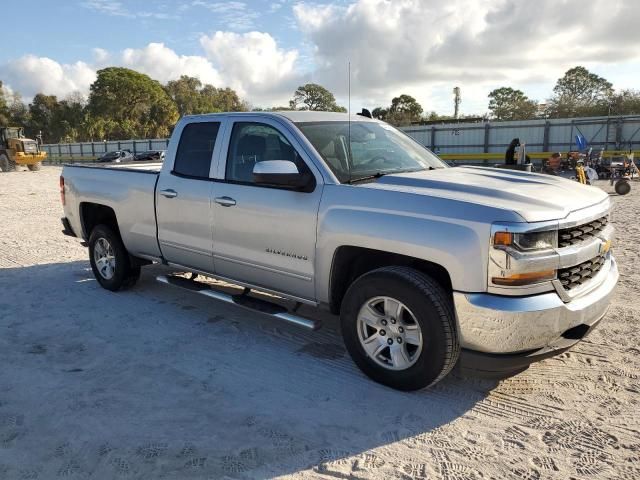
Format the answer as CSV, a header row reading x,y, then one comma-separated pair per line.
x,y
35,167
6,164
110,261
398,325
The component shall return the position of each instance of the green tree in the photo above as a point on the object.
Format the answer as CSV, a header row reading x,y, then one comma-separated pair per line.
x,y
185,92
192,97
68,118
58,121
580,92
403,110
222,100
626,102
314,97
380,113
508,104
18,111
406,104
42,110
139,105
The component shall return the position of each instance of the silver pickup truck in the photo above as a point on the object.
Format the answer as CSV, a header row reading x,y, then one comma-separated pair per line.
x,y
427,266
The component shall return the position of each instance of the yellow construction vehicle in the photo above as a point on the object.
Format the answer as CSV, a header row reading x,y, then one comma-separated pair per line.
x,y
16,150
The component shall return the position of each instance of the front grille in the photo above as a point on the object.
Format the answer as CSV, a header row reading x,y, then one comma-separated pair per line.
x,y
573,277
573,235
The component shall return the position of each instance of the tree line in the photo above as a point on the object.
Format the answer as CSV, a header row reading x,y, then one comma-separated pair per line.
x,y
578,93
123,103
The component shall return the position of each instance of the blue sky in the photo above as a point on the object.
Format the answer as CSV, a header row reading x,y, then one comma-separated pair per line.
x,y
69,29
264,49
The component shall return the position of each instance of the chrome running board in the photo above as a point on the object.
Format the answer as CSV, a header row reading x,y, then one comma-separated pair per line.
x,y
243,299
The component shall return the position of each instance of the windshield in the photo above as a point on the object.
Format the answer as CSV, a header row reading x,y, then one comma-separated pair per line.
x,y
376,149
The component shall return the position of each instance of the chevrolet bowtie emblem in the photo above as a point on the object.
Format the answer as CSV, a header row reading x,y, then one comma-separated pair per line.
x,y
605,247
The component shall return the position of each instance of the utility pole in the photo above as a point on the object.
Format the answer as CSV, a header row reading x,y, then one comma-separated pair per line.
x,y
456,101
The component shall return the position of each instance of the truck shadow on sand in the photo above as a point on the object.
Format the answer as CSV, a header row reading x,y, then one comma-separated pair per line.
x,y
159,382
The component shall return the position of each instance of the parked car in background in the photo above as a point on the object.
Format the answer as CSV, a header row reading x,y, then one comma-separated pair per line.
x,y
116,157
157,155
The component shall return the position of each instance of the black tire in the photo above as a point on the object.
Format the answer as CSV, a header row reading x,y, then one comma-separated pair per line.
x,y
35,167
622,187
432,308
6,164
124,275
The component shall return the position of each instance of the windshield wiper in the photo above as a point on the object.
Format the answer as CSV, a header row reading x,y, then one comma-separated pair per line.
x,y
351,181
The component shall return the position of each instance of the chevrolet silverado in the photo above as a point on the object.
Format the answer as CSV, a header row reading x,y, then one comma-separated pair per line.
x,y
427,266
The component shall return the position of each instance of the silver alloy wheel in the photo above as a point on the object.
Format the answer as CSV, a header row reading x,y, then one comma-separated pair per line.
x,y
104,258
389,333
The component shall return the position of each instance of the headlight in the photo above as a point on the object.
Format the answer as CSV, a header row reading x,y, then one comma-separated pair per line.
x,y
527,241
516,258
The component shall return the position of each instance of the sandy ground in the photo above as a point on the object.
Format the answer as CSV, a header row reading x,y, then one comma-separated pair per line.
x,y
159,383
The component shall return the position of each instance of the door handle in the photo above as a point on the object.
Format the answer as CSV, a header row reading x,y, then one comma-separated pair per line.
x,y
169,193
225,201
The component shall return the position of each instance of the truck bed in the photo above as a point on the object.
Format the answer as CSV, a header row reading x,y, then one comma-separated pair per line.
x,y
114,185
144,167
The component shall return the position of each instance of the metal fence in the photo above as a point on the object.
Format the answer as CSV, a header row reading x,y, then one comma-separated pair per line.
x,y
88,151
472,142
546,135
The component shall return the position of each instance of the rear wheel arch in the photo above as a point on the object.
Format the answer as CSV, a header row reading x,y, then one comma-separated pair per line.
x,y
350,263
94,214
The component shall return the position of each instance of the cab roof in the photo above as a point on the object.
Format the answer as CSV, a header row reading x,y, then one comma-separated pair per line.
x,y
298,116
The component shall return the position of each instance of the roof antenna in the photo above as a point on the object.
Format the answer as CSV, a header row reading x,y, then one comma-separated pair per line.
x,y
349,121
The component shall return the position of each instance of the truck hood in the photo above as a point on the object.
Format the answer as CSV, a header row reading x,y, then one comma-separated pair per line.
x,y
535,197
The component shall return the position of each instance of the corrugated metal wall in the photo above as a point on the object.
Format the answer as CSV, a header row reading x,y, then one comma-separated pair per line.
x,y
611,133
557,135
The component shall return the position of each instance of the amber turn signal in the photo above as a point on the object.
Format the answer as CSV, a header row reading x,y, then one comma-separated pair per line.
x,y
503,238
519,279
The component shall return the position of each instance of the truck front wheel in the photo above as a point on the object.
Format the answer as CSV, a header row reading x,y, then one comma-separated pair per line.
x,y
110,261
399,327
34,167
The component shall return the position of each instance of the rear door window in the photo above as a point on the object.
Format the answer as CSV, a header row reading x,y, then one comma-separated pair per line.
x,y
193,158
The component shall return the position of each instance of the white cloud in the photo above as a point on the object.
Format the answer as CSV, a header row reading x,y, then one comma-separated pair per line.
x,y
30,75
420,45
101,56
253,64
163,64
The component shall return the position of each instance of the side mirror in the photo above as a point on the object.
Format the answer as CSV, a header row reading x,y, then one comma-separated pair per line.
x,y
282,173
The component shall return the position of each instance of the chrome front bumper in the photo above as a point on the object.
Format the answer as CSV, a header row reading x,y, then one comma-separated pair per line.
x,y
500,324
